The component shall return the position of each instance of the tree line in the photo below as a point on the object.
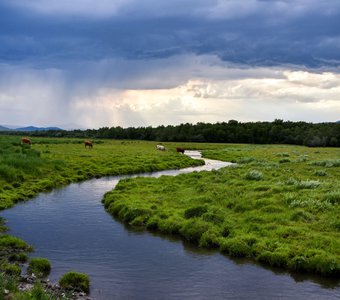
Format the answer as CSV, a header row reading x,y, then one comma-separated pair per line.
x,y
276,132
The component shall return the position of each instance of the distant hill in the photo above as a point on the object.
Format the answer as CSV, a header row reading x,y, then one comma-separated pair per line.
x,y
33,128
3,128
27,128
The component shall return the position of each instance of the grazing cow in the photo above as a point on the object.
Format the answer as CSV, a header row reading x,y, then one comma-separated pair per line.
x,y
88,144
160,147
180,150
26,141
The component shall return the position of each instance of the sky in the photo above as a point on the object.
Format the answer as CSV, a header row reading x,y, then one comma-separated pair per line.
x,y
104,63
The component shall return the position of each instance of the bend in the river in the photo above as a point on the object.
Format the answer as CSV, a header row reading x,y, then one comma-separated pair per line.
x,y
70,227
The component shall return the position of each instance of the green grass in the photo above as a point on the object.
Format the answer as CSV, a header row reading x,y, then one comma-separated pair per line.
x,y
41,267
280,214
74,280
51,162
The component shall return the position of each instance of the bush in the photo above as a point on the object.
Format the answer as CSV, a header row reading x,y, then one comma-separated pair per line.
x,y
41,267
74,280
254,175
332,197
308,184
329,163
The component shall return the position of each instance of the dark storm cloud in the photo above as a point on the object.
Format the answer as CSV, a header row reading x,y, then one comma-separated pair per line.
x,y
255,33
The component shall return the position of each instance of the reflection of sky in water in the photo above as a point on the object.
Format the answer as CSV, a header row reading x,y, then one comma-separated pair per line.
x,y
70,227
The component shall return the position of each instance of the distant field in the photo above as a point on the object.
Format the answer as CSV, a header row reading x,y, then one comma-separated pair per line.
x,y
51,162
278,205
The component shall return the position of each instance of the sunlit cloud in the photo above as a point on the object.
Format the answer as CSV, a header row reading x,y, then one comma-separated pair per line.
x,y
200,89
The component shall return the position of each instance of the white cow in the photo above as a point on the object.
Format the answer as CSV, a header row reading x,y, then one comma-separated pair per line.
x,y
160,147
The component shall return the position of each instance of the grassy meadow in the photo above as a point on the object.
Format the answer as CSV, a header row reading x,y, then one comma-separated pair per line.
x,y
278,205
51,162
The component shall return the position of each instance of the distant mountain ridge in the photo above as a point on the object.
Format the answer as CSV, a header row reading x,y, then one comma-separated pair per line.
x,y
29,128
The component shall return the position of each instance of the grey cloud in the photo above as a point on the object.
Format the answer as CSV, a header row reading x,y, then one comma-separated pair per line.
x,y
249,32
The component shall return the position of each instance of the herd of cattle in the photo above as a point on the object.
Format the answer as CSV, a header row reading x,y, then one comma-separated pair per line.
x,y
88,144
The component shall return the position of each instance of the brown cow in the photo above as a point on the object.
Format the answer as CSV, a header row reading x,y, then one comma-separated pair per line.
x,y
26,141
88,144
180,150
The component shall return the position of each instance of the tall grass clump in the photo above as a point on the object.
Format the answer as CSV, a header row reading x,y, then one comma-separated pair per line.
x,y
329,163
304,184
75,281
332,197
254,175
312,205
41,267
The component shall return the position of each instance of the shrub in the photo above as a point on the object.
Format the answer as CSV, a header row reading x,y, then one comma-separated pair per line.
x,y
41,267
329,163
74,280
313,205
254,175
308,184
302,158
333,197
282,154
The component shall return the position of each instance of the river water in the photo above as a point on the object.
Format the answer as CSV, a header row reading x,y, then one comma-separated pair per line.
x,y
70,227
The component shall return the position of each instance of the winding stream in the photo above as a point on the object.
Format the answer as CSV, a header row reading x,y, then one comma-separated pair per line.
x,y
70,227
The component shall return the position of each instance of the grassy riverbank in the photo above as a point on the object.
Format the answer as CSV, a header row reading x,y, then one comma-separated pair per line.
x,y
278,205
51,162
